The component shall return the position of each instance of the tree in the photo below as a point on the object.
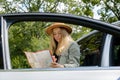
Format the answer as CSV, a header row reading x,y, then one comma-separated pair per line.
x,y
109,11
26,36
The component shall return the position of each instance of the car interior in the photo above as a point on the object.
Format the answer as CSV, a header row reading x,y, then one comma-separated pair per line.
x,y
90,48
115,53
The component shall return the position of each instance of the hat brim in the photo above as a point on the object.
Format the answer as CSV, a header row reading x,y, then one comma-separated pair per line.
x,y
58,25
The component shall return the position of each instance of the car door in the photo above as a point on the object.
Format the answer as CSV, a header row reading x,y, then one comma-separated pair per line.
x,y
95,68
91,48
96,49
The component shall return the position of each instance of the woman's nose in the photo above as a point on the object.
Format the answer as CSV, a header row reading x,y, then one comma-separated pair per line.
x,y
57,35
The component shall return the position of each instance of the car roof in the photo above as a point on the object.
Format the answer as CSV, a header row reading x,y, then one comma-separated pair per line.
x,y
66,18
117,23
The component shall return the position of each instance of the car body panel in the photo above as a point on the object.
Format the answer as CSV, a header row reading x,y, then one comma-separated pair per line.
x,y
78,74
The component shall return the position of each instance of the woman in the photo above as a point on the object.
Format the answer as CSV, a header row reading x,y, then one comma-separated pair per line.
x,y
65,50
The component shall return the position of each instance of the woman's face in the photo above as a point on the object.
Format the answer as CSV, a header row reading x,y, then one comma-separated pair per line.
x,y
57,34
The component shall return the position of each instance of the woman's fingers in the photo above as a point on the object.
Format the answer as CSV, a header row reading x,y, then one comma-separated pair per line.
x,y
56,65
54,59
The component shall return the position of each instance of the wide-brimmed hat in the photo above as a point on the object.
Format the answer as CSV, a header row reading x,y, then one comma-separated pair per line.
x,y
60,25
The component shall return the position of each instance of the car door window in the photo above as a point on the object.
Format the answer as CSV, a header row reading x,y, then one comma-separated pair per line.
x,y
90,47
30,36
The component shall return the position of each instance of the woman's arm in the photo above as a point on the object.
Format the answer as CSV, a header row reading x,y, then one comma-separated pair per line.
x,y
73,56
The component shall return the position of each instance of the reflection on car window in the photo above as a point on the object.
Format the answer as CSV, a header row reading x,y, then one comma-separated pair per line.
x,y
90,49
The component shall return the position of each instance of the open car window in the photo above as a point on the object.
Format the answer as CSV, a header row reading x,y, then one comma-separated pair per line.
x,y
30,36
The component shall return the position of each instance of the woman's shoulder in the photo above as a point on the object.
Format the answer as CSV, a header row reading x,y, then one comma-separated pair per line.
x,y
74,48
74,44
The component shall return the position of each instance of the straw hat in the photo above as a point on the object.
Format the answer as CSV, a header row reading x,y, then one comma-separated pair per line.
x,y
60,25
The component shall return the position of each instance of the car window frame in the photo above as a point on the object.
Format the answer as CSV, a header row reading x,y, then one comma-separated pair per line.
x,y
9,19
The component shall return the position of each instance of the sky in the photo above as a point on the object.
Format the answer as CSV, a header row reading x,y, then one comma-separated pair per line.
x,y
96,16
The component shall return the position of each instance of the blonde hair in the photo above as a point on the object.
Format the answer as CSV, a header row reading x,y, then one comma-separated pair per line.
x,y
63,45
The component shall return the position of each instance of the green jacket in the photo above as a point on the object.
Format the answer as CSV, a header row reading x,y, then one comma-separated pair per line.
x,y
70,57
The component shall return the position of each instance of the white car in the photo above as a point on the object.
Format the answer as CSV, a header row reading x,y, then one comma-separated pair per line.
x,y
100,54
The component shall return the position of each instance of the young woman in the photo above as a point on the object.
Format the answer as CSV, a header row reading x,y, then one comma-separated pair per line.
x,y
65,50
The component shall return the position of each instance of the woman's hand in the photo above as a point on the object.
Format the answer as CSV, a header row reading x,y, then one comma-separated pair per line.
x,y
54,58
56,65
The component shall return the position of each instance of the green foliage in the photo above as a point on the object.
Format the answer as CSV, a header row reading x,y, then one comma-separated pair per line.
x,y
29,36
109,11
93,2
19,61
79,31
